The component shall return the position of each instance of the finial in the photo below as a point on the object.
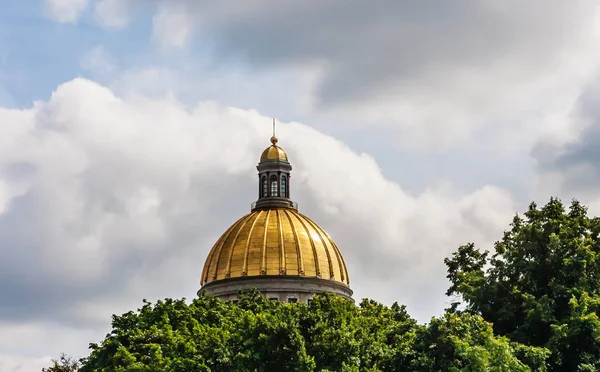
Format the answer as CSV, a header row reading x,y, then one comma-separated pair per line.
x,y
274,138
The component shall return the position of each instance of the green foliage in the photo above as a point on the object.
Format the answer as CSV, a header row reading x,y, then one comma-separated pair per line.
x,y
206,335
329,334
541,286
465,342
63,364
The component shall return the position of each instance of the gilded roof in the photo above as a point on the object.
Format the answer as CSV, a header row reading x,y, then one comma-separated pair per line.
x,y
277,241
274,152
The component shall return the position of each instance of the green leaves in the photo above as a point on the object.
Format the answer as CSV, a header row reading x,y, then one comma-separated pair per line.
x,y
329,334
459,342
542,285
63,364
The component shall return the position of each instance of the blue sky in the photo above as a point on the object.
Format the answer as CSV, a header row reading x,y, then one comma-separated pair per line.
x,y
39,53
130,132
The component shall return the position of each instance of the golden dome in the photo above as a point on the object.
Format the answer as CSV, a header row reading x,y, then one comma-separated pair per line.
x,y
278,241
274,152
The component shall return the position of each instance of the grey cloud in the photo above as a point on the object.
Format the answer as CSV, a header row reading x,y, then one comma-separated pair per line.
x,y
45,269
429,72
411,46
576,161
35,289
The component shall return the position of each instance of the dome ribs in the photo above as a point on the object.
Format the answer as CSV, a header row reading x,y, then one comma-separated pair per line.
x,y
217,250
263,262
312,244
282,266
296,241
274,241
342,263
210,260
274,152
232,245
247,249
325,248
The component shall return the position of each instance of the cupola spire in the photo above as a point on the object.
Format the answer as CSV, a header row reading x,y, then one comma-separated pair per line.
x,y
274,137
274,177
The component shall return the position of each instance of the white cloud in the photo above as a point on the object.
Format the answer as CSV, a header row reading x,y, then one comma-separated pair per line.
x,y
111,195
29,347
112,13
18,363
394,243
110,200
66,11
172,26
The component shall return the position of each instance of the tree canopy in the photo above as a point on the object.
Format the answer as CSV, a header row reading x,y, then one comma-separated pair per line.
x,y
541,284
531,304
329,334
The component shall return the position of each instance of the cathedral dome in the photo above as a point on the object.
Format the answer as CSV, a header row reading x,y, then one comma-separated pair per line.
x,y
275,242
274,248
274,152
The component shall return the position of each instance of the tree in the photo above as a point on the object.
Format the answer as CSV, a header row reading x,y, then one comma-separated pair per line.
x,y
465,342
63,364
541,285
206,335
329,334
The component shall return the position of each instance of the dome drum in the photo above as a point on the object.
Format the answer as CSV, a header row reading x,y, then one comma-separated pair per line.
x,y
280,288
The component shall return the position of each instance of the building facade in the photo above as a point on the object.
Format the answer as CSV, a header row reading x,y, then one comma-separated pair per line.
x,y
274,248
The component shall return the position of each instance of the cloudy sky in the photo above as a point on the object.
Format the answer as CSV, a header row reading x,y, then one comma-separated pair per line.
x,y
130,131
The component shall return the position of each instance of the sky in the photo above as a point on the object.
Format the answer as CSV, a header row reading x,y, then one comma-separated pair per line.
x,y
130,131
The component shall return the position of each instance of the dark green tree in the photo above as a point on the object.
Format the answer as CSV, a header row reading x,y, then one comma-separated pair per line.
x,y
541,284
207,335
329,334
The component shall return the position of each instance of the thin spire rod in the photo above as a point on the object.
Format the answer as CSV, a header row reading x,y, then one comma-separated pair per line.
x,y
274,138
